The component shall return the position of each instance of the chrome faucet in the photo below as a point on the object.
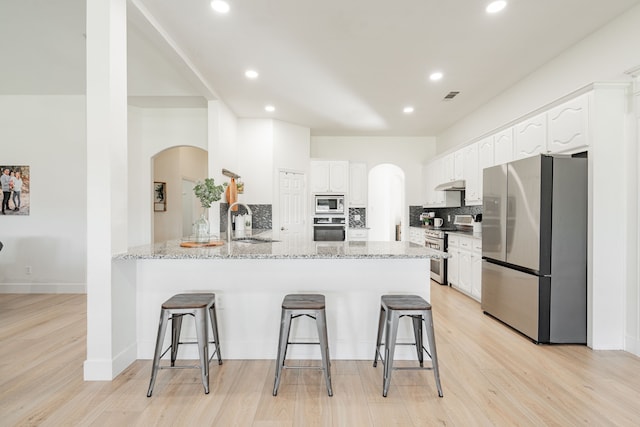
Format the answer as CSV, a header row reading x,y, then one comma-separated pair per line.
x,y
229,218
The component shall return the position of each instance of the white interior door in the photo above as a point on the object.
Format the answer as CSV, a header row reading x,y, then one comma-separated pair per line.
x,y
292,204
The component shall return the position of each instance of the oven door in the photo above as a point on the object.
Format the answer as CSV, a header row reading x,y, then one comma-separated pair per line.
x,y
329,233
438,266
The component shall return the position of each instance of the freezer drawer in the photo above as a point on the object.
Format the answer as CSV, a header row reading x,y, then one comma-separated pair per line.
x,y
512,297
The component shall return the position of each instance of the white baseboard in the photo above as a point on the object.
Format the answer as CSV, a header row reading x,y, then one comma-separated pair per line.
x,y
124,359
98,370
43,288
108,369
632,345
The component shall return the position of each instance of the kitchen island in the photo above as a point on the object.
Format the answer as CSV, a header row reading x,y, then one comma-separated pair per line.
x,y
251,279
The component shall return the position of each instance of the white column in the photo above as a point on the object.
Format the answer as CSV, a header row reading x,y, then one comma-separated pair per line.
x,y
106,185
612,193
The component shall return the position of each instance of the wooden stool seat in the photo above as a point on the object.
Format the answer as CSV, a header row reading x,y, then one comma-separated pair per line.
x,y
405,302
200,306
293,306
303,302
189,301
392,308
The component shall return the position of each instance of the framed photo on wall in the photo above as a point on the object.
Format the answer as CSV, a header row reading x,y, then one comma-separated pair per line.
x,y
159,196
16,185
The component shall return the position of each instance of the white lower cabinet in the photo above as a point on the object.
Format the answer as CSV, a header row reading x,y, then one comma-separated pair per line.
x,y
416,235
476,269
464,267
358,234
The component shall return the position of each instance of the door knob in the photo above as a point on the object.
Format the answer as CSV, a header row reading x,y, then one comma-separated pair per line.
x,y
282,228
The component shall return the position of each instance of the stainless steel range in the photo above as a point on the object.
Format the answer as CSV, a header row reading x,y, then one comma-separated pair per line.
x,y
437,239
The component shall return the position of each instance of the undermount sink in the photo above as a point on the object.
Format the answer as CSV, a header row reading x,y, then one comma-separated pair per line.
x,y
253,240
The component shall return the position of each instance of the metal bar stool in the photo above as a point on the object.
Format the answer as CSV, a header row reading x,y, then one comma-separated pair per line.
x,y
174,309
392,308
293,306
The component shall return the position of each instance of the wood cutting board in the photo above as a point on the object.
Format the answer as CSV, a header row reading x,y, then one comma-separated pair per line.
x,y
202,245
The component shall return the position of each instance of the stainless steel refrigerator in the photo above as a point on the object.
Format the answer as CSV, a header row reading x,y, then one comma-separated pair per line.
x,y
534,247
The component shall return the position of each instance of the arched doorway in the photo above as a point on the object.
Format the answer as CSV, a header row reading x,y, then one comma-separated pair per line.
x,y
386,201
179,168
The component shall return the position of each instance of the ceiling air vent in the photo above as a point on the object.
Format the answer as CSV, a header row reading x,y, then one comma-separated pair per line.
x,y
450,95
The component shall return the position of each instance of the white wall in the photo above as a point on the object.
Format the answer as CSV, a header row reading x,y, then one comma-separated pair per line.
x,y
222,148
265,147
152,130
171,166
408,153
48,134
603,56
255,160
291,147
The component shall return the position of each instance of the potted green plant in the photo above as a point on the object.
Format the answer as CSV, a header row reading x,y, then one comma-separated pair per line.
x,y
208,192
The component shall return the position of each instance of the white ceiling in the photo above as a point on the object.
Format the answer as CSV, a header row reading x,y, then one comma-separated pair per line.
x,y
339,67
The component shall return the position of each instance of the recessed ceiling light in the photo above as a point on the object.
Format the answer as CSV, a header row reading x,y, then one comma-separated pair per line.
x,y
251,74
408,109
270,108
220,6
436,76
496,6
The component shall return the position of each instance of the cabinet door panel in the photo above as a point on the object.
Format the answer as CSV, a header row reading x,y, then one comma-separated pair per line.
x,y
503,147
531,137
319,177
485,153
473,193
339,176
568,125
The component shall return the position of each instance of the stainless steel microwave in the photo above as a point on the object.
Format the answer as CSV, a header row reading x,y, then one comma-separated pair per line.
x,y
329,204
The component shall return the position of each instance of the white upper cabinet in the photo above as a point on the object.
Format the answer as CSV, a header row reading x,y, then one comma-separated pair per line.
x,y
447,169
485,153
569,125
531,137
329,176
339,177
319,176
458,165
472,175
503,147
452,167
432,175
358,185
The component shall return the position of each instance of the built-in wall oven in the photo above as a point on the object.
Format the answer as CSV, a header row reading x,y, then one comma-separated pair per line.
x,y
328,228
437,239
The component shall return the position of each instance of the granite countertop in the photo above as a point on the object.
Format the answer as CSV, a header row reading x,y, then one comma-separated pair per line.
x,y
294,248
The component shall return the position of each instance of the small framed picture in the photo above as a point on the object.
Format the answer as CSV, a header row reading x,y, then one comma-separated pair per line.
x,y
159,196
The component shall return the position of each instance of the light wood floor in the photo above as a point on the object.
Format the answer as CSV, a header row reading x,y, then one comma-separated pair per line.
x,y
490,376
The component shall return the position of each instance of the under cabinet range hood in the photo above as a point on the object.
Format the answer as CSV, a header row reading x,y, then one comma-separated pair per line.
x,y
458,185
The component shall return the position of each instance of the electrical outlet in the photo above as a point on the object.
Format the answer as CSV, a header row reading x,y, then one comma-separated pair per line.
x,y
356,217
27,269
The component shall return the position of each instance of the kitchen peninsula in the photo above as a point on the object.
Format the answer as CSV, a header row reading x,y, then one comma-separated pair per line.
x,y
251,279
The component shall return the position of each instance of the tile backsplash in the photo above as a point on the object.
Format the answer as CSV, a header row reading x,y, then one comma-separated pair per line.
x,y
261,216
357,223
447,214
